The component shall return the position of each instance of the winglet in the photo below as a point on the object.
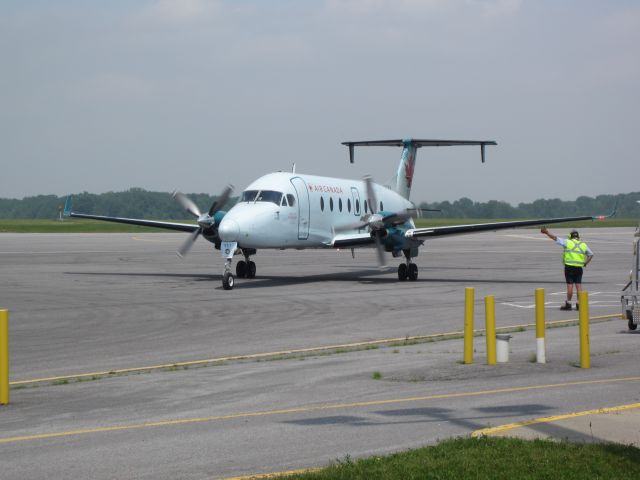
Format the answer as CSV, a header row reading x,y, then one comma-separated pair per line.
x,y
612,214
68,206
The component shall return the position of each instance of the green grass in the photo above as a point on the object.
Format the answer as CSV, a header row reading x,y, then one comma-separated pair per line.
x,y
77,225
491,458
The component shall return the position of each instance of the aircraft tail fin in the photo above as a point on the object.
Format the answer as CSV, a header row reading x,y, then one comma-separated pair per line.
x,y
68,206
404,175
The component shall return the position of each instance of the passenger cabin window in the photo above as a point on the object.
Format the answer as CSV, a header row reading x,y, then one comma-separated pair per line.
x,y
322,204
292,199
365,206
331,203
349,205
340,204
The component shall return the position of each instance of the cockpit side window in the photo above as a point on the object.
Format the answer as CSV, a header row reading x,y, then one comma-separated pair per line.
x,y
292,199
284,203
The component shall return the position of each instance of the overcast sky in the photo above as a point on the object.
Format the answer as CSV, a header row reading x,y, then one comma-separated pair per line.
x,y
192,94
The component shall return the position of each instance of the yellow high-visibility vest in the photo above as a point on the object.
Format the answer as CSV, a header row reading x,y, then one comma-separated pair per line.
x,y
575,253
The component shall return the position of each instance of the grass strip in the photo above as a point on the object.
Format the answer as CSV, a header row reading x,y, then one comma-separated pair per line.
x,y
487,458
299,353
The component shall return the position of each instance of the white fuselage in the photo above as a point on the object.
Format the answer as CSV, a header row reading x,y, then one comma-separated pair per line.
x,y
289,210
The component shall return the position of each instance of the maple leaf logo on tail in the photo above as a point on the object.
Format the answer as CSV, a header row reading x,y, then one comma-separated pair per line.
x,y
408,169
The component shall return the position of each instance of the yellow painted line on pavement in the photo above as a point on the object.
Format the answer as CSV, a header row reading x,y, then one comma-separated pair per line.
x,y
308,409
254,356
261,476
553,418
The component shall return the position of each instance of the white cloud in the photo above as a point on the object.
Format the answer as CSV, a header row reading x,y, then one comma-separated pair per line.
x,y
367,7
113,87
180,11
492,8
497,8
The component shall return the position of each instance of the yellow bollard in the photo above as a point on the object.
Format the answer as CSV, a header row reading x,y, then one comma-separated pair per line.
x,y
490,325
4,357
540,348
585,359
468,325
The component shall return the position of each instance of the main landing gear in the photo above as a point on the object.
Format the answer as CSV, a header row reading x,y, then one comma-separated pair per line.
x,y
244,269
407,270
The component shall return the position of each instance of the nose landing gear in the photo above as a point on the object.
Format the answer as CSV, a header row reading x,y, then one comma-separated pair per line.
x,y
244,269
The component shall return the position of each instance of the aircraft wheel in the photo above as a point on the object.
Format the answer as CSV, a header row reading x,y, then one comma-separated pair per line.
x,y
632,326
228,281
241,269
413,272
251,270
402,272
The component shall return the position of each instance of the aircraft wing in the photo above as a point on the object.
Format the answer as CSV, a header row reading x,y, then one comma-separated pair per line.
x,y
365,239
182,227
345,240
488,227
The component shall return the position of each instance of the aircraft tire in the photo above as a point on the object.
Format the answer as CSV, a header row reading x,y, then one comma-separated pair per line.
x,y
251,270
228,281
412,272
241,269
402,272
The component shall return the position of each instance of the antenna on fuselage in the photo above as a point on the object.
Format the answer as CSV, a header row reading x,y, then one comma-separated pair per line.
x,y
293,167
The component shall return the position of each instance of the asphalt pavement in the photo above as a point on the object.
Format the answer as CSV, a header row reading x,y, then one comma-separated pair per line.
x,y
227,398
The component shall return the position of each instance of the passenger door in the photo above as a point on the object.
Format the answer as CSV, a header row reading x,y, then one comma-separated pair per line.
x,y
302,192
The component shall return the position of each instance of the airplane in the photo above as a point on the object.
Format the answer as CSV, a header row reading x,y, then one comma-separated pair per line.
x,y
289,210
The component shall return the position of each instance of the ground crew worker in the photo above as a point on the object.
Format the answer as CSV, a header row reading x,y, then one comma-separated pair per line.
x,y
576,256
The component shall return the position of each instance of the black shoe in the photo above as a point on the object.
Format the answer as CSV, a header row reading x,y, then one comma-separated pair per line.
x,y
577,306
566,306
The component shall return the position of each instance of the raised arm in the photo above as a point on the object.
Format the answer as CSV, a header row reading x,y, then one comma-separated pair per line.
x,y
548,233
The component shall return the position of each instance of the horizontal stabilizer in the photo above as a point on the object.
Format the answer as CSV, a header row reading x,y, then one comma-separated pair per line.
x,y
417,143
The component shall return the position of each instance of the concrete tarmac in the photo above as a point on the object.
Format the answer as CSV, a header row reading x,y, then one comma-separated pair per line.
x,y
93,303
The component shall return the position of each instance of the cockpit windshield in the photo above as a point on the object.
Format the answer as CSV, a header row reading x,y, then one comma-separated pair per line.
x,y
249,195
261,196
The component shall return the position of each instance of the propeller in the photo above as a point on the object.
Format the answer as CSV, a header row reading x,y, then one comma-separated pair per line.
x,y
378,222
374,221
205,220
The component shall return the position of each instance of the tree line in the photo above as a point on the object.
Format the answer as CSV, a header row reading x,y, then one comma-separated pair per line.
x,y
625,203
140,203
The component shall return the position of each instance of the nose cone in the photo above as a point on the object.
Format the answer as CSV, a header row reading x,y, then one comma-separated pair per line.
x,y
229,230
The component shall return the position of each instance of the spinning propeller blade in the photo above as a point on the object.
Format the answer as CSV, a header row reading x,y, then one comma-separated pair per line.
x,y
186,203
188,243
205,221
221,200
